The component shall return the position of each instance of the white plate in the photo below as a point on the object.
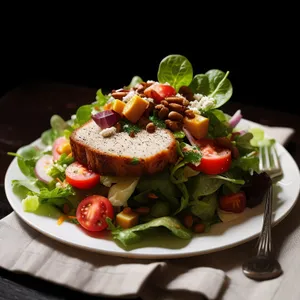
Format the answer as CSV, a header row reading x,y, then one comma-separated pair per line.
x,y
221,236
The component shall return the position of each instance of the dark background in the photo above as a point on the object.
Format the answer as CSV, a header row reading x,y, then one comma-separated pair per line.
x,y
260,57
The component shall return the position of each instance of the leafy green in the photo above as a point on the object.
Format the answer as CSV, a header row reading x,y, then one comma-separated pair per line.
x,y
248,162
58,169
179,134
83,114
134,81
184,200
203,185
242,142
175,70
30,203
27,157
160,183
135,234
100,98
215,84
160,209
205,208
25,187
58,192
189,154
218,123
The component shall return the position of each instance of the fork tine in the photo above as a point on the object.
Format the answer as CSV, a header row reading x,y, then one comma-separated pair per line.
x,y
275,158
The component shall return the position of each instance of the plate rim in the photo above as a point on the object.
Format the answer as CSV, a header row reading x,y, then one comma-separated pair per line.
x,y
130,254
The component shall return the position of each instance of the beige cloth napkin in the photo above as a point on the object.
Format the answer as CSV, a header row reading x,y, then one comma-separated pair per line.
x,y
210,276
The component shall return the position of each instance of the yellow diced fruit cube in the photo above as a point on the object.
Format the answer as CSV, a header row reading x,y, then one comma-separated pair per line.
x,y
127,219
118,107
135,108
198,126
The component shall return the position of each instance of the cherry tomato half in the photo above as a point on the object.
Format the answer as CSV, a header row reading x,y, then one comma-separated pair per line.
x,y
215,159
79,176
92,211
235,203
58,146
159,91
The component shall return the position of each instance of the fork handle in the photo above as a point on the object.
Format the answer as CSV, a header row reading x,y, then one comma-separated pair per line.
x,y
264,247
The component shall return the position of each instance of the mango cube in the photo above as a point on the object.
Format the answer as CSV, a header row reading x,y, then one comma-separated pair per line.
x,y
127,219
118,106
198,126
135,108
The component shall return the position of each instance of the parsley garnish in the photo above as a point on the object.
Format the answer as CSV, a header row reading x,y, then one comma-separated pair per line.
x,y
135,161
129,127
157,122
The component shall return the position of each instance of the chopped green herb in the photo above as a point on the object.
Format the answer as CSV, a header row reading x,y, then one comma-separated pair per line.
x,y
157,122
129,127
135,161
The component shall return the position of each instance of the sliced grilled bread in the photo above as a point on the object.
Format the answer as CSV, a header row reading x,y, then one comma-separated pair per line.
x,y
121,154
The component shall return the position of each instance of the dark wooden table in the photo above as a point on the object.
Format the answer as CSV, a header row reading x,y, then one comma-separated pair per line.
x,y
25,113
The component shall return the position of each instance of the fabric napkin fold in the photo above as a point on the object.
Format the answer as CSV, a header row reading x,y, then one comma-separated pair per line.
x,y
211,276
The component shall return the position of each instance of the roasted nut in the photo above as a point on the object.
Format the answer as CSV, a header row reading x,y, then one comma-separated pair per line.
x,y
118,127
143,121
185,102
159,106
152,196
189,113
119,95
127,210
186,92
176,107
163,113
188,221
148,110
143,210
173,125
132,134
165,103
174,99
199,228
175,116
150,127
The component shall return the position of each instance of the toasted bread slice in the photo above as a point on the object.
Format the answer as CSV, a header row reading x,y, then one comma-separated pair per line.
x,y
120,154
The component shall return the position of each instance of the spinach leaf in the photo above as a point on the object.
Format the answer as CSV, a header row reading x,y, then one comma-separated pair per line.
x,y
218,123
176,70
203,185
134,234
184,200
200,84
205,208
215,84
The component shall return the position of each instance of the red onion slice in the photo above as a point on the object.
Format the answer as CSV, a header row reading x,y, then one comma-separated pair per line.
x,y
105,119
42,166
189,136
235,119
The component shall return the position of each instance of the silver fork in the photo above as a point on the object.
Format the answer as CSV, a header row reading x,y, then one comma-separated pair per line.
x,y
263,265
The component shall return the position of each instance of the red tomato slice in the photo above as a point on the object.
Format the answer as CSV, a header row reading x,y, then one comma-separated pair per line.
x,y
235,203
56,145
215,159
79,176
92,211
159,91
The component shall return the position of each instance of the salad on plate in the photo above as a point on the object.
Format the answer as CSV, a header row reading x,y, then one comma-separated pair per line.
x,y
153,156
